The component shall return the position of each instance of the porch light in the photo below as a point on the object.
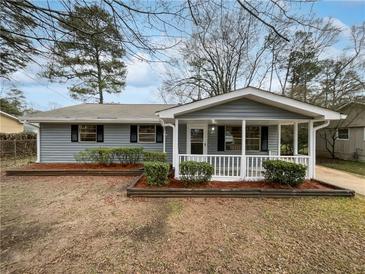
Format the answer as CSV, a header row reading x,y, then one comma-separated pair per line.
x,y
212,130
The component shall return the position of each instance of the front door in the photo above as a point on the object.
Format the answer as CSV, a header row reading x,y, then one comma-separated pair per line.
x,y
197,139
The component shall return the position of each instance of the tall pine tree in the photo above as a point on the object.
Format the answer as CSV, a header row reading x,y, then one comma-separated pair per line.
x,y
90,56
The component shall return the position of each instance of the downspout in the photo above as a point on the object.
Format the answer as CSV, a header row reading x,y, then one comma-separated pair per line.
x,y
164,133
314,144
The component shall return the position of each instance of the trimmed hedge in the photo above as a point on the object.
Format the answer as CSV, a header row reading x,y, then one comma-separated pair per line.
x,y
154,156
156,173
106,156
284,172
103,156
192,172
128,155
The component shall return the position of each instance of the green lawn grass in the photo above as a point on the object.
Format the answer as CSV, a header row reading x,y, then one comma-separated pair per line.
x,y
349,166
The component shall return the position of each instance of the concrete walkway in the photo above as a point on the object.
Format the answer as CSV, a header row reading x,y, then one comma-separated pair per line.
x,y
341,178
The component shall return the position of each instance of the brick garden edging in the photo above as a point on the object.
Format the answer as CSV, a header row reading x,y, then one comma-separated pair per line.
x,y
133,191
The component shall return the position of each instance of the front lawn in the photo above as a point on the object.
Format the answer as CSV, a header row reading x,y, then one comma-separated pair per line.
x,y
349,166
81,224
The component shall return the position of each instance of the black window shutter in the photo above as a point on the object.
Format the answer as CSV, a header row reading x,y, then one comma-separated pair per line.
x,y
100,133
74,133
221,138
133,136
264,138
159,134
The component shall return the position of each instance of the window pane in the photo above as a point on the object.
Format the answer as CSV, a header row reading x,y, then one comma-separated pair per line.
x,y
147,134
197,135
88,133
147,129
253,138
233,138
252,144
343,133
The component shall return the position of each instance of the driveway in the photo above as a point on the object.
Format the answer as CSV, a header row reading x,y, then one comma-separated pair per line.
x,y
341,178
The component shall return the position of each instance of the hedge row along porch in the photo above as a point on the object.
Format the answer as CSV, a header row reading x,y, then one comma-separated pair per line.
x,y
235,132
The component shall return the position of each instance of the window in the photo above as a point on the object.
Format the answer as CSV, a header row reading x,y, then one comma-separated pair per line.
x,y
253,138
233,138
87,133
343,133
147,134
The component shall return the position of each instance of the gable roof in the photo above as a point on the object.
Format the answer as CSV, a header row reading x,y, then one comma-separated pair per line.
x,y
257,95
11,116
106,113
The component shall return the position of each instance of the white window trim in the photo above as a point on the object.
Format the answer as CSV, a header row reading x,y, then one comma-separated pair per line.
x,y
79,133
348,135
140,142
259,150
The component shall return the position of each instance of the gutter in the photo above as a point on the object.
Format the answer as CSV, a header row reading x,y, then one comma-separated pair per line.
x,y
327,122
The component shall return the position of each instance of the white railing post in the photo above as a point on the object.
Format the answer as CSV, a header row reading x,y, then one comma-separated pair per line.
x,y
243,150
175,148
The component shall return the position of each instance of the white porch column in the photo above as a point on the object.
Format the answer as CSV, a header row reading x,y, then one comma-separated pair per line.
x,y
279,139
310,149
175,148
243,150
295,139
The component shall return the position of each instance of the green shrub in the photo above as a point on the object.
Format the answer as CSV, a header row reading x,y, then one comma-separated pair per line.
x,y
156,173
128,155
284,172
195,172
154,156
101,155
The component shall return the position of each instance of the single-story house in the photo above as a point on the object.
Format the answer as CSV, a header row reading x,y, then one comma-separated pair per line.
x,y
235,132
348,135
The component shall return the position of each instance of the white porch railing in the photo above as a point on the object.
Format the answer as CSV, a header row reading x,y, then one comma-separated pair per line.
x,y
254,163
229,166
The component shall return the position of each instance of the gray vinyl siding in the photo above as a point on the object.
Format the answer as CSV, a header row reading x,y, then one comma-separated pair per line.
x,y
273,140
243,108
56,145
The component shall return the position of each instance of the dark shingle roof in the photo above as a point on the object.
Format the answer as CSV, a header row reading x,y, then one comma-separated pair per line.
x,y
86,112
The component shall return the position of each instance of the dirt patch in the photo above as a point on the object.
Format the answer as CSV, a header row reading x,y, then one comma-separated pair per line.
x,y
85,224
173,183
73,166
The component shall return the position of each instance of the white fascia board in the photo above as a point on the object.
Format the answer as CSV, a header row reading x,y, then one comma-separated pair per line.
x,y
258,95
101,121
11,116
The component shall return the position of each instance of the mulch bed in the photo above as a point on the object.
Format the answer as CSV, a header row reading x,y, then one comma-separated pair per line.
x,y
73,166
173,183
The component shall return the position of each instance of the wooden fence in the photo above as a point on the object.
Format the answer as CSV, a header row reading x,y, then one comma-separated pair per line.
x,y
17,149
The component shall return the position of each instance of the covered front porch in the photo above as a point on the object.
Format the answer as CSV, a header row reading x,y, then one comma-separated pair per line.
x,y
237,149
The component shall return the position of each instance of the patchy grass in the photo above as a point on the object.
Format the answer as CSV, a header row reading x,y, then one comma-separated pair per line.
x,y
87,224
9,162
349,166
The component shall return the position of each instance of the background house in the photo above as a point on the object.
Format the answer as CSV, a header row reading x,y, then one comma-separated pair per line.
x,y
10,123
345,139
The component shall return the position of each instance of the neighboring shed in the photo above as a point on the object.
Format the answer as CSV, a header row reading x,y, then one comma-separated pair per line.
x,y
349,134
10,123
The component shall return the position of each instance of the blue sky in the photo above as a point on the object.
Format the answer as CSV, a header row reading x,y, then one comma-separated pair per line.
x,y
144,79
